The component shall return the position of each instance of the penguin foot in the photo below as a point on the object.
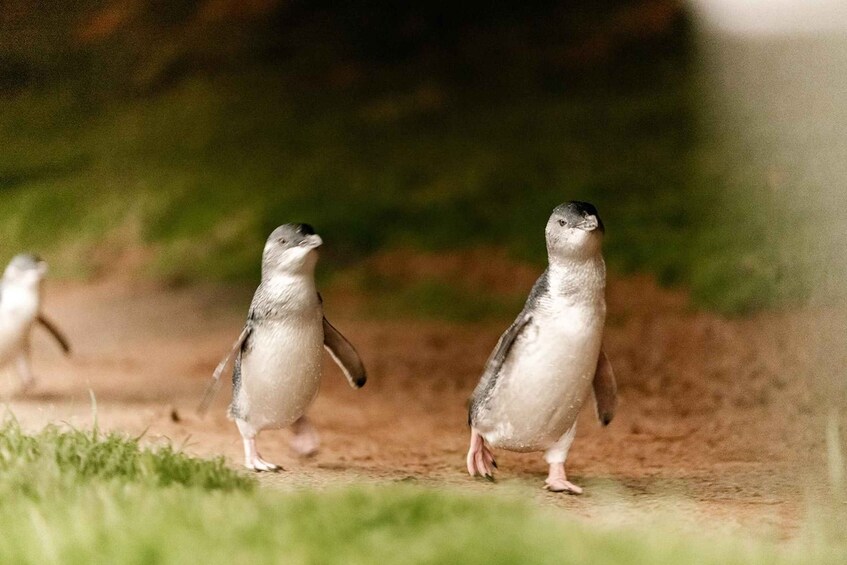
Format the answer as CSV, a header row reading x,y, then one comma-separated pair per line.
x,y
305,446
306,441
558,482
480,461
254,461
562,485
27,383
259,465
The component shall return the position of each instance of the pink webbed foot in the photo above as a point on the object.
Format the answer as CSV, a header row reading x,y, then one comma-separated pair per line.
x,y
259,465
480,460
306,441
254,461
25,386
558,482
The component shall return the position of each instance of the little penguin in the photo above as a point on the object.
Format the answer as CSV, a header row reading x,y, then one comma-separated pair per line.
x,y
279,353
545,364
20,309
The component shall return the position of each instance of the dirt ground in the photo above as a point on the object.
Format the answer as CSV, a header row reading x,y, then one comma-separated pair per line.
x,y
712,417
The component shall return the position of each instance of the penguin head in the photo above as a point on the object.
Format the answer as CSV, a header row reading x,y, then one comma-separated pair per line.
x,y
574,231
25,269
291,249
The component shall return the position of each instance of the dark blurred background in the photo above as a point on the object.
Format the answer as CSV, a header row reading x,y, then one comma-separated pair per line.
x,y
133,48
166,139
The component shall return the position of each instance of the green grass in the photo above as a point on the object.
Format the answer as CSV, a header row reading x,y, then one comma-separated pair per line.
x,y
388,524
80,497
39,466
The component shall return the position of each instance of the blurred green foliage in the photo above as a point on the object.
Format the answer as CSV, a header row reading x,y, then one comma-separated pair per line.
x,y
196,167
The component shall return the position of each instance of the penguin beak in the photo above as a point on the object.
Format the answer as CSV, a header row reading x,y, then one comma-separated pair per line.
x,y
311,241
588,223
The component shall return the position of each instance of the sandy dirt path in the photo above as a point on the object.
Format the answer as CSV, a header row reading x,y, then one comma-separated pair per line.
x,y
709,423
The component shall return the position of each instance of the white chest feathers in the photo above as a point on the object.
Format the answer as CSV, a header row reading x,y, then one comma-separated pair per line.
x,y
19,306
546,377
281,367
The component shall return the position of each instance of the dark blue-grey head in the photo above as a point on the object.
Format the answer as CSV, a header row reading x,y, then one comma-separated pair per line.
x,y
291,248
25,268
581,215
574,230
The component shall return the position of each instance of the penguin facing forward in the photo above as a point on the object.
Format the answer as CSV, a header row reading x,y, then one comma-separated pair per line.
x,y
546,363
20,309
279,353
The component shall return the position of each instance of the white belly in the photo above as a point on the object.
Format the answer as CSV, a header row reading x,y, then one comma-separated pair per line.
x,y
544,382
281,373
17,314
11,342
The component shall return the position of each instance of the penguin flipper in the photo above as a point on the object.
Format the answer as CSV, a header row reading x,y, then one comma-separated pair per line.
x,y
54,331
345,356
215,385
605,389
505,343
496,360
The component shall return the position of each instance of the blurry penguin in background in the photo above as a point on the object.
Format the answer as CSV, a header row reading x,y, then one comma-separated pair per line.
x,y
20,309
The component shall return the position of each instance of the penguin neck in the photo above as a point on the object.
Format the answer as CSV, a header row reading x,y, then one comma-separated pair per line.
x,y
290,292
286,284
580,279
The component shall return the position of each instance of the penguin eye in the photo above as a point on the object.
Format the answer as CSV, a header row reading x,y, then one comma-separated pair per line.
x,y
562,223
281,241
